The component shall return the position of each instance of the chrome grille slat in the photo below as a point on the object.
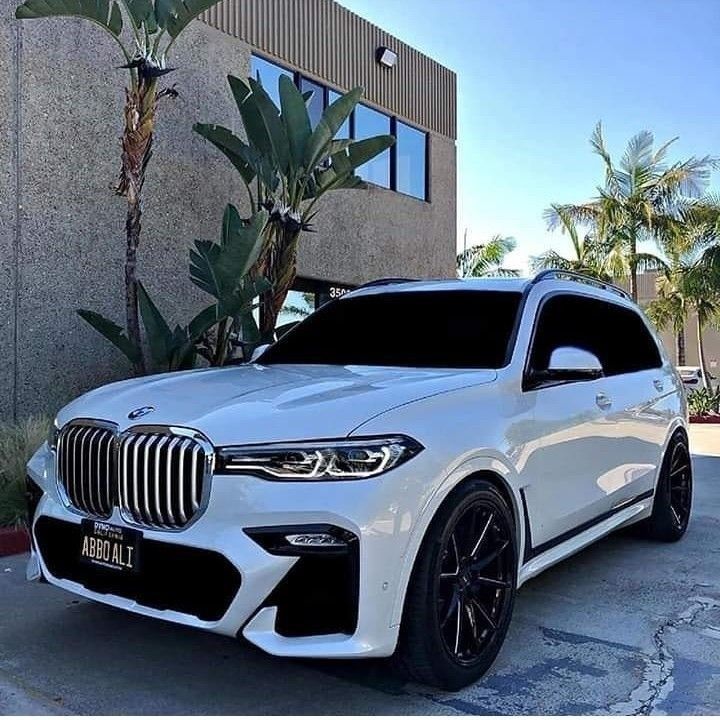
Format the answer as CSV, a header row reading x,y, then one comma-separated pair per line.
x,y
156,476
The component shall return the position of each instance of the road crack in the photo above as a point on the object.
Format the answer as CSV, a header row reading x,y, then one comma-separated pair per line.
x,y
658,681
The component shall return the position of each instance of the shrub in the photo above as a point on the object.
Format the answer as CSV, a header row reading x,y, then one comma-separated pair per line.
x,y
18,442
704,401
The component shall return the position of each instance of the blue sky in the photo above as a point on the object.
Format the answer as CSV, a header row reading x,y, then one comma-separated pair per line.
x,y
535,76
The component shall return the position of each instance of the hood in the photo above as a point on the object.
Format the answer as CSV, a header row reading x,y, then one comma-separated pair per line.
x,y
256,403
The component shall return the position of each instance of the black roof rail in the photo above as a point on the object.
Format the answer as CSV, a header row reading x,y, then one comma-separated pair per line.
x,y
557,274
386,281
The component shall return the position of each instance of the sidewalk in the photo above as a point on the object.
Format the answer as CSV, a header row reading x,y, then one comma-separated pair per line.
x,y
705,440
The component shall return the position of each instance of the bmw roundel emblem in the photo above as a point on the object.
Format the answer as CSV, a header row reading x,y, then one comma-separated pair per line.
x,y
140,412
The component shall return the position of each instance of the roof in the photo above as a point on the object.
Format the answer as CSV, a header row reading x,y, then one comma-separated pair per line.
x,y
554,279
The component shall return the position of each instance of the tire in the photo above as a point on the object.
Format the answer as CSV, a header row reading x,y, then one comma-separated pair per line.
x,y
673,495
467,561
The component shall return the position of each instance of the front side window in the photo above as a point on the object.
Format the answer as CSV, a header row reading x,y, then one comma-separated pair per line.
x,y
617,336
439,329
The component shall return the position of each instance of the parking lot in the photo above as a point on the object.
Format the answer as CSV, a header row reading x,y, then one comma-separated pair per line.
x,y
627,627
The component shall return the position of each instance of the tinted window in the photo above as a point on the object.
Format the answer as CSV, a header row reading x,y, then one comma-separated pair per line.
x,y
369,123
453,329
316,104
410,161
617,336
268,74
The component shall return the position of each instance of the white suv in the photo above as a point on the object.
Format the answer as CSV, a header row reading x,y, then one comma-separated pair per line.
x,y
381,480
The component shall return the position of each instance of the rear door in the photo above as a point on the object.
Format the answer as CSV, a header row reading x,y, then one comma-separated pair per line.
x,y
642,391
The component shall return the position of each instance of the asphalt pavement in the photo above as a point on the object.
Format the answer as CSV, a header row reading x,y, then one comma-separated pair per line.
x,y
625,627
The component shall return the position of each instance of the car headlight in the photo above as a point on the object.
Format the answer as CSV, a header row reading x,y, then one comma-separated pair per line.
x,y
317,460
52,436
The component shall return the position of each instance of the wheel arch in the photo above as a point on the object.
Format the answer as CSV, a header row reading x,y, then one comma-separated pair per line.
x,y
498,474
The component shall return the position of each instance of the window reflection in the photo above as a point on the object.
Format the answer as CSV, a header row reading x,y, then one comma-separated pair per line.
x,y
411,152
268,74
369,122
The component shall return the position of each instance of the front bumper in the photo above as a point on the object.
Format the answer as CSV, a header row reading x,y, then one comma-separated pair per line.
x,y
256,605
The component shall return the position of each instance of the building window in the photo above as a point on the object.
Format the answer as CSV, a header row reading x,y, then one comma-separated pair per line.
x,y
368,123
316,104
268,75
344,131
411,161
403,168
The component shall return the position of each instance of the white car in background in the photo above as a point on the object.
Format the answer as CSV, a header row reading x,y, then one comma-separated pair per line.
x,y
381,480
692,377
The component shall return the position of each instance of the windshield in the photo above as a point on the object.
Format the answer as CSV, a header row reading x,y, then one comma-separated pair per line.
x,y
439,329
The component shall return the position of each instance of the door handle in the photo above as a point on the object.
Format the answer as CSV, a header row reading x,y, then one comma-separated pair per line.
x,y
603,401
659,384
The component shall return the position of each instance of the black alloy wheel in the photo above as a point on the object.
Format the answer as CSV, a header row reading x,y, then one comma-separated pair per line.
x,y
672,505
474,579
461,594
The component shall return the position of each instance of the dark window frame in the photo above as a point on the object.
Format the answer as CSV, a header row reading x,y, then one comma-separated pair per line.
x,y
394,119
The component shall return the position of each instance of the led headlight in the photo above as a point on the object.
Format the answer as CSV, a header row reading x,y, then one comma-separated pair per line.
x,y
330,460
52,436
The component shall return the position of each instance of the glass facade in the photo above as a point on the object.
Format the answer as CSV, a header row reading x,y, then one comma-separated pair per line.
x,y
369,122
268,74
403,168
411,163
316,104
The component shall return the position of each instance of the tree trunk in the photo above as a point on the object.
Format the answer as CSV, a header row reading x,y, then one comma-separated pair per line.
x,y
633,269
139,112
701,356
680,347
280,269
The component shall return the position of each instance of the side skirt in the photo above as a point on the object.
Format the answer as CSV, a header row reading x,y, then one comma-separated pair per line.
x,y
537,558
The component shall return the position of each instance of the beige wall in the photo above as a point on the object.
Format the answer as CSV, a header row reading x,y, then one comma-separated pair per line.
x,y
61,227
711,337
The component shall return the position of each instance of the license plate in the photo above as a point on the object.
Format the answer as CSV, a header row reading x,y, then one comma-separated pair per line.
x,y
110,546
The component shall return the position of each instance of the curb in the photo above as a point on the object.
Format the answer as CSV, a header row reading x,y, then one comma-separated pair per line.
x,y
14,541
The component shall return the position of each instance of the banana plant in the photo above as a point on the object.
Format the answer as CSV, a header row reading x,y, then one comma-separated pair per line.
x,y
223,271
286,167
144,31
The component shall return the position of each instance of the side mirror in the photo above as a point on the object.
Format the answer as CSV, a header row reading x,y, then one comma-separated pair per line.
x,y
567,364
572,359
257,352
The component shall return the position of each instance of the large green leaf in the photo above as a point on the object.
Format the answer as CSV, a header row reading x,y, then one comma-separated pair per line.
x,y
158,332
142,13
295,118
219,269
363,151
176,15
241,155
330,123
112,332
263,109
101,12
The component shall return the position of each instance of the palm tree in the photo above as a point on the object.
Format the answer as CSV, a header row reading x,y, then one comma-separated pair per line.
x,y
640,196
689,277
590,256
154,26
486,260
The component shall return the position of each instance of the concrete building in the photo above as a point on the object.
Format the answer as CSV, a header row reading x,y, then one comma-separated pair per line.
x,y
711,337
62,229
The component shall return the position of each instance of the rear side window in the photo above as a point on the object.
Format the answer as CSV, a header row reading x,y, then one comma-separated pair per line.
x,y
616,335
439,329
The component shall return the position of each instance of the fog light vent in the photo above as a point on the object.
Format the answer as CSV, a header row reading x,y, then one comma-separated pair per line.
x,y
315,540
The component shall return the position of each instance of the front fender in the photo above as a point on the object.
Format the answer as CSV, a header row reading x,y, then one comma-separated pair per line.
x,y
491,463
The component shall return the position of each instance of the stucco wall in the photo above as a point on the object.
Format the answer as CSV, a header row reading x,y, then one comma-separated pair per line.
x,y
68,235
